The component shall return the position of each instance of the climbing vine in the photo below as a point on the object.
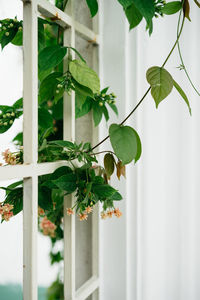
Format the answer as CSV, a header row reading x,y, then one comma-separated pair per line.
x,y
83,176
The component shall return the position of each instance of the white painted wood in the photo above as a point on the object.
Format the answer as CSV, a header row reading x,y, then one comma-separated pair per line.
x,y
30,141
87,288
69,134
12,172
30,229
95,215
65,20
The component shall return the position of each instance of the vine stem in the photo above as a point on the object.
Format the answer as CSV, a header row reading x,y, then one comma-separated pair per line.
x,y
184,68
149,88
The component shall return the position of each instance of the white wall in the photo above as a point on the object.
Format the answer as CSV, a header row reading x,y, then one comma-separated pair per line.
x,y
152,252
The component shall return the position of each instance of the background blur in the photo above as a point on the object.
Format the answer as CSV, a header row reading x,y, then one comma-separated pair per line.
x,y
152,252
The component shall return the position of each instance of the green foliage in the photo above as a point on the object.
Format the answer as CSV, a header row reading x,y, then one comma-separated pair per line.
x,y
93,6
125,142
161,83
171,7
183,95
9,28
133,15
98,104
51,56
84,75
56,291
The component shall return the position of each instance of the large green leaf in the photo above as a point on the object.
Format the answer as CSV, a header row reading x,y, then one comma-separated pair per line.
x,y
124,140
171,7
103,190
66,183
45,119
161,83
84,75
147,9
133,15
82,92
125,3
97,113
84,109
183,95
51,56
48,85
93,6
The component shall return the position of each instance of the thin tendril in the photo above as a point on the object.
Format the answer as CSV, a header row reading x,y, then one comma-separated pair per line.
x,y
182,62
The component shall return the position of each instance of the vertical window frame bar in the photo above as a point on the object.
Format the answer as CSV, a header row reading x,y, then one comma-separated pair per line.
x,y
30,142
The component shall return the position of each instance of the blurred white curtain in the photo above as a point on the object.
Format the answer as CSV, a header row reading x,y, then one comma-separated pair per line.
x,y
152,253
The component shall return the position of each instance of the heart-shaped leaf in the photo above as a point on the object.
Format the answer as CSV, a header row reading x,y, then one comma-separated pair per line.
x,y
124,140
161,83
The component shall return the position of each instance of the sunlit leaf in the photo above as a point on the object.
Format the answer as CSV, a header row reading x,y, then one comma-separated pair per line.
x,y
161,83
84,75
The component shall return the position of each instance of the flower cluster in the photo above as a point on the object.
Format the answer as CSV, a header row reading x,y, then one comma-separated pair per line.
x,y
5,211
83,215
12,158
48,228
109,213
7,118
104,98
10,25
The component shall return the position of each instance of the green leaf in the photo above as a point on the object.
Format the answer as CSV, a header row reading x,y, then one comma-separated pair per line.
x,y
133,15
103,191
66,183
48,85
171,8
61,143
15,197
18,39
51,56
84,75
125,3
114,108
45,119
183,95
44,198
18,104
93,6
7,39
124,140
109,164
76,51
146,8
161,83
115,197
84,109
105,112
82,93
97,113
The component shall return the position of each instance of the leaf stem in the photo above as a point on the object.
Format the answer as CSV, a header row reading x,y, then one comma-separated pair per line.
x,y
149,88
